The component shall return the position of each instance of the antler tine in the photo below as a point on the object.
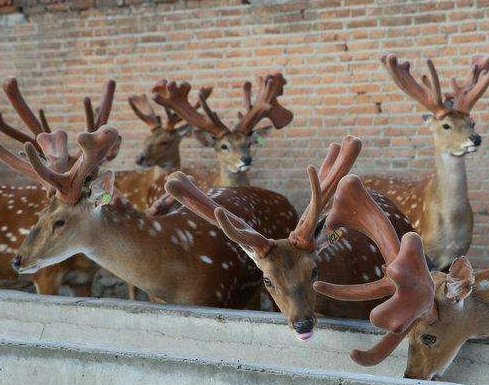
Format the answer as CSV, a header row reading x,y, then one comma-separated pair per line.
x,y
69,185
174,119
427,94
16,134
184,191
266,104
90,119
144,111
105,106
163,203
11,89
55,149
466,93
44,121
337,163
247,95
175,97
18,164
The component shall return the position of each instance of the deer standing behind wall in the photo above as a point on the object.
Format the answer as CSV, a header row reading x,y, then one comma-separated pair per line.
x,y
232,145
176,258
289,264
438,206
22,205
438,312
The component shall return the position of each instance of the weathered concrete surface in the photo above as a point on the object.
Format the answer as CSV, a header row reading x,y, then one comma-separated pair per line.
x,y
38,364
132,329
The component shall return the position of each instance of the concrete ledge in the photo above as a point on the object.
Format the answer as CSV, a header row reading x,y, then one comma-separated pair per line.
x,y
72,329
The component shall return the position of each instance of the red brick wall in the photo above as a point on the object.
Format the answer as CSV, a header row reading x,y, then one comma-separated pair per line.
x,y
327,50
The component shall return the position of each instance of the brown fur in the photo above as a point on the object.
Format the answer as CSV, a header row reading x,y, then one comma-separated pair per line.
x,y
170,257
455,324
438,206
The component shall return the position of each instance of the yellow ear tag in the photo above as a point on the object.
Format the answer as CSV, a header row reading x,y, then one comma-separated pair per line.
x,y
106,198
333,235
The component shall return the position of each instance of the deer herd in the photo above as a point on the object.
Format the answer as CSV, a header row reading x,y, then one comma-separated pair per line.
x,y
377,247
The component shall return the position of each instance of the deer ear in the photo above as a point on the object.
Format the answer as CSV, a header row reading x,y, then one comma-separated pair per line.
x,y
205,138
460,280
102,189
185,130
259,134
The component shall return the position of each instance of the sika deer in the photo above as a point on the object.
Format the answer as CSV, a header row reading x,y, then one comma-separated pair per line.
x,y
289,265
21,205
161,152
438,206
177,258
438,312
233,145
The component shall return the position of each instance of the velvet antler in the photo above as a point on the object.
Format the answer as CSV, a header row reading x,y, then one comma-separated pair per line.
x,y
266,104
69,184
427,94
465,94
99,117
406,272
174,96
184,191
337,163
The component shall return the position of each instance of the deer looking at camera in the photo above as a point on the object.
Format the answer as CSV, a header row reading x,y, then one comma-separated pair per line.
x,y
289,264
438,312
438,206
176,258
21,205
232,145
161,153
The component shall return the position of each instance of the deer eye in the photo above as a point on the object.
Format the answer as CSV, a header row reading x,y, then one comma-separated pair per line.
x,y
446,126
224,146
428,339
267,282
472,124
59,223
315,274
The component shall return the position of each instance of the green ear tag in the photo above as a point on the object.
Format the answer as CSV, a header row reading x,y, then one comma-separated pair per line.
x,y
106,198
260,140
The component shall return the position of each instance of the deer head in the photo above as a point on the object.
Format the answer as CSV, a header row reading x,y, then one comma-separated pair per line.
x,y
71,199
232,146
450,122
161,147
288,265
407,279
433,345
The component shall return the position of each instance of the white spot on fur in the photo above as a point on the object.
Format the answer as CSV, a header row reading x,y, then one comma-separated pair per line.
x,y
205,259
483,285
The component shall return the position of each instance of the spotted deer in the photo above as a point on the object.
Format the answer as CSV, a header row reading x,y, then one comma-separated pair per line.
x,y
438,312
438,206
161,153
289,264
232,145
21,205
176,258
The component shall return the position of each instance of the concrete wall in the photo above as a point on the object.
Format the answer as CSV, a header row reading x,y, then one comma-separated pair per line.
x,y
62,50
130,338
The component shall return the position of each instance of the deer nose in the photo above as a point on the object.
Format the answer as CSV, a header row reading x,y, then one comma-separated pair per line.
x,y
247,160
476,138
140,159
16,262
304,325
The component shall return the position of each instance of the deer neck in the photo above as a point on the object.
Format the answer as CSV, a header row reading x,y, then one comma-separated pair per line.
x,y
232,179
450,180
134,248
